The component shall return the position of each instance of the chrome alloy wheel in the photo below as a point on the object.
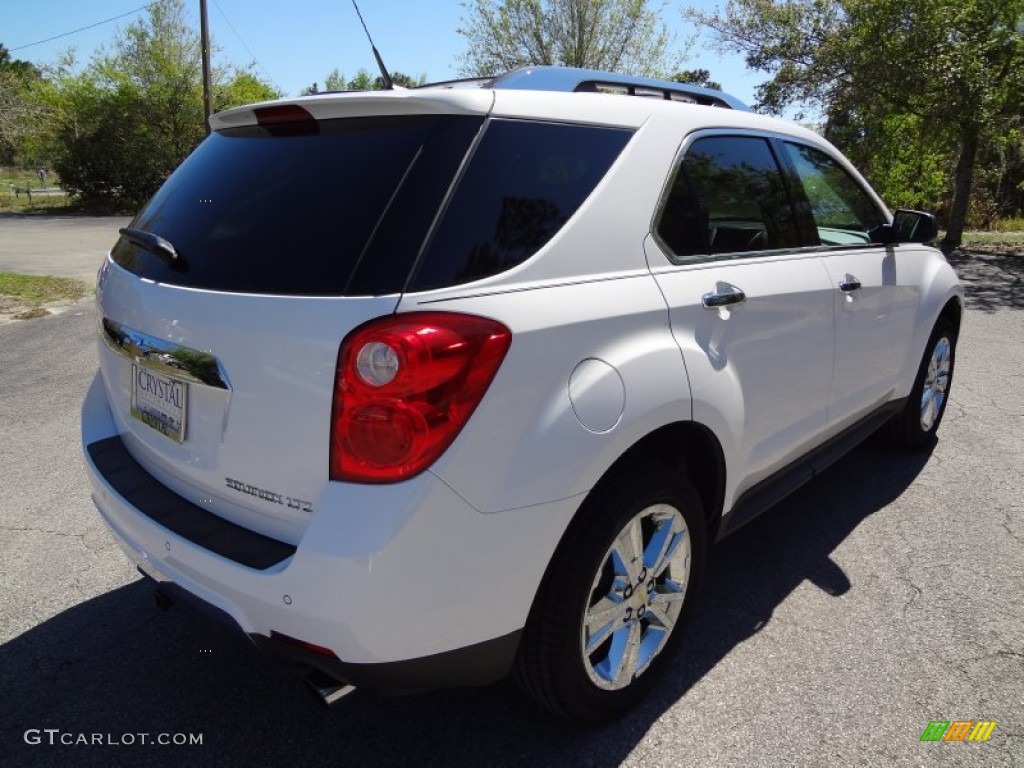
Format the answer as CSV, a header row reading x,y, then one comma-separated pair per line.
x,y
636,597
936,382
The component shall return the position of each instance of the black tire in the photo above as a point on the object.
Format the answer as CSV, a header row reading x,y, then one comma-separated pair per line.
x,y
909,428
552,666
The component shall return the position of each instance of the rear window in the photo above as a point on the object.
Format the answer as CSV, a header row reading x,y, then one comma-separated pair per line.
x,y
524,182
343,209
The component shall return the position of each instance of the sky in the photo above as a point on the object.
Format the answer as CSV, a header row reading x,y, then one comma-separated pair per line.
x,y
295,43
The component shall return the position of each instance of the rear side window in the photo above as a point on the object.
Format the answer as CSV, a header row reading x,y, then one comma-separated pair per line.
x,y
728,197
523,183
843,212
340,207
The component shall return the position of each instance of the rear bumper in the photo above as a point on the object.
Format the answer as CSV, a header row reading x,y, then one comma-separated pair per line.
x,y
478,664
407,585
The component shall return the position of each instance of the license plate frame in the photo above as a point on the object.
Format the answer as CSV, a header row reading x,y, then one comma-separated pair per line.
x,y
162,404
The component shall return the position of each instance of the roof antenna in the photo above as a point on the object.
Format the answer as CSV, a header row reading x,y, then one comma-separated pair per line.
x,y
389,84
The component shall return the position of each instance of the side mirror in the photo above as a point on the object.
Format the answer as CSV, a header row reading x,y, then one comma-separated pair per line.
x,y
907,227
914,226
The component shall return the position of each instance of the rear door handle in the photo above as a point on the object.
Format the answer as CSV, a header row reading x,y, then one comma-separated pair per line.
x,y
850,284
723,298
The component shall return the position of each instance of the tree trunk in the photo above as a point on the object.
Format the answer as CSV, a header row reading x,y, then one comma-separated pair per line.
x,y
962,184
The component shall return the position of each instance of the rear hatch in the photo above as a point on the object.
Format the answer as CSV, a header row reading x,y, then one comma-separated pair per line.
x,y
290,226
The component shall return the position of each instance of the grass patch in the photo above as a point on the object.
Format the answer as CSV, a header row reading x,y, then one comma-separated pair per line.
x,y
1012,224
1014,240
37,289
62,204
20,203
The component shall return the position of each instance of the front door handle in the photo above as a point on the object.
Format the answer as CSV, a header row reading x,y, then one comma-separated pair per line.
x,y
723,298
850,284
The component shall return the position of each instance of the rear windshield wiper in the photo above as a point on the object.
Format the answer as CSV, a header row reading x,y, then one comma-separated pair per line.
x,y
154,244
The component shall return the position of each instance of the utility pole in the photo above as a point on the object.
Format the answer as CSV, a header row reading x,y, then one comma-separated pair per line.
x,y
204,35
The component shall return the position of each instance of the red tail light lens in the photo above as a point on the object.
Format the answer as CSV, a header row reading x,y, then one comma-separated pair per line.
x,y
286,120
303,644
405,386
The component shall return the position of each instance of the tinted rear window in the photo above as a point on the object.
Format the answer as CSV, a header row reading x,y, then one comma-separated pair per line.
x,y
525,180
342,209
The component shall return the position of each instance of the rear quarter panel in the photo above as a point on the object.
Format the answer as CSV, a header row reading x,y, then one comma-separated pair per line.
x,y
524,444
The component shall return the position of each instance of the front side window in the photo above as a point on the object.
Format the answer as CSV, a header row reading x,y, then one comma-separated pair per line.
x,y
728,197
843,212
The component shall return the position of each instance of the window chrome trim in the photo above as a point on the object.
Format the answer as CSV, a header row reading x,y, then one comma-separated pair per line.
x,y
165,357
722,259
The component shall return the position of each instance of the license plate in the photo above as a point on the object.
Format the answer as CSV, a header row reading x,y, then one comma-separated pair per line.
x,y
159,402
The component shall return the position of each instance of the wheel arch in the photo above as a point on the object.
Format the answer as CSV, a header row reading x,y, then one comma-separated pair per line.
x,y
942,297
687,446
658,457
953,311
693,450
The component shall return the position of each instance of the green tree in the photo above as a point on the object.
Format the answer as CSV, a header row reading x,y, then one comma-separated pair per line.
x,y
363,81
618,35
25,70
701,77
335,81
118,127
243,88
400,79
949,72
18,115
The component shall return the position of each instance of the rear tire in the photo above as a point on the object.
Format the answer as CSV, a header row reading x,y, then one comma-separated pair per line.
x,y
606,621
915,426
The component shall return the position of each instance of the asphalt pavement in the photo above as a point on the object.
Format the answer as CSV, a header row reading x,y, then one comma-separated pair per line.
x,y
884,595
65,246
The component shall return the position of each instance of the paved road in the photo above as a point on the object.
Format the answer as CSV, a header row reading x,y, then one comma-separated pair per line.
x,y
882,596
66,246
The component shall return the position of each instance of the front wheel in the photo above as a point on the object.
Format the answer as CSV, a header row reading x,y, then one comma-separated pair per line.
x,y
606,620
914,427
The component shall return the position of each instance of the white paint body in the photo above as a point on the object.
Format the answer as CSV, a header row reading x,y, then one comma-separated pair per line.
x,y
454,556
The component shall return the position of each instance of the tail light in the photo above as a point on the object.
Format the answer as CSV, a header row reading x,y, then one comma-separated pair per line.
x,y
405,386
286,120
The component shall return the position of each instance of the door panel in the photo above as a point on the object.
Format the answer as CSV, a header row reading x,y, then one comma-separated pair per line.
x,y
760,370
750,307
874,324
874,307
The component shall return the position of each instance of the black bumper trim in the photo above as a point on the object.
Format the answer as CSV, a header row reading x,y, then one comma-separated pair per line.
x,y
161,505
474,665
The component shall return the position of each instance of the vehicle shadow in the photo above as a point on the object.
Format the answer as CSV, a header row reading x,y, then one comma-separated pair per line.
x,y
991,280
117,665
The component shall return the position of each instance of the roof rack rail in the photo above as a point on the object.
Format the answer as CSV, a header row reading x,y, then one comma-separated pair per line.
x,y
571,79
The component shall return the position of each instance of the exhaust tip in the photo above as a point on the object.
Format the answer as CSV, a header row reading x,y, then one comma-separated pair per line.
x,y
327,689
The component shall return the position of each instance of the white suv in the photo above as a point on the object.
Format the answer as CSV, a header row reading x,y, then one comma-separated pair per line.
x,y
422,387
